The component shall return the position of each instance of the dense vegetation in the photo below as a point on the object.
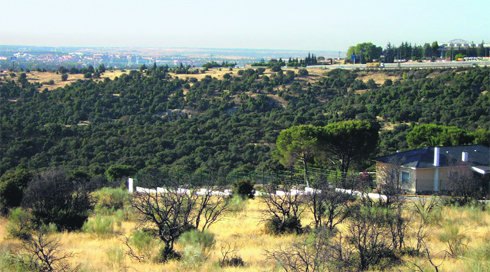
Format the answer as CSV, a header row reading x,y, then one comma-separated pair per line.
x,y
148,118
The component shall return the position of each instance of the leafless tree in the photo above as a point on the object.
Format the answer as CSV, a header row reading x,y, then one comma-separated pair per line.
x,y
176,211
316,253
464,184
368,232
47,251
329,208
284,207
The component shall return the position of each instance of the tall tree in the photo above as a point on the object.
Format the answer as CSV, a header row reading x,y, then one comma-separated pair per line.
x,y
349,142
298,145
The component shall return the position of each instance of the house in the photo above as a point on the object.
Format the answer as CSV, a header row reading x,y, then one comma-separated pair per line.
x,y
434,169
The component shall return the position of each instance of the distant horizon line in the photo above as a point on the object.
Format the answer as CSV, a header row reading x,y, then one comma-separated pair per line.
x,y
170,47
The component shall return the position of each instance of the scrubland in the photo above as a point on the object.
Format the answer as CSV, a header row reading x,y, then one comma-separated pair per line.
x,y
242,229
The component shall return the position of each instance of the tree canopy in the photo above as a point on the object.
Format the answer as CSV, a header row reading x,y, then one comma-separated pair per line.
x,y
298,145
349,142
427,135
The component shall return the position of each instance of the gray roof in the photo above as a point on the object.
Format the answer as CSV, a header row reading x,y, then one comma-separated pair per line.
x,y
478,155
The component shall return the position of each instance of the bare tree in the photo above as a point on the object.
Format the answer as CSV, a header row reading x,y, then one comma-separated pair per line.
x,y
369,234
465,185
176,211
283,208
316,253
47,251
329,207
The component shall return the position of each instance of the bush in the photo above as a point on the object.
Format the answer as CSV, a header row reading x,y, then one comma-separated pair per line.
x,y
12,186
275,226
53,198
142,245
109,200
10,261
229,257
236,203
19,224
100,226
115,259
454,239
244,188
302,72
196,246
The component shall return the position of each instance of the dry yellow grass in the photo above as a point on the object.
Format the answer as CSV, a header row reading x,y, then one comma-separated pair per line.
x,y
45,77
379,78
244,230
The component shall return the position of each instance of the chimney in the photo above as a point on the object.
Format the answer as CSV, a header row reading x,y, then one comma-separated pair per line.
x,y
464,156
436,156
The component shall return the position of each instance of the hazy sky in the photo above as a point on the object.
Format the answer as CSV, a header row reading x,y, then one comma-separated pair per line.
x,y
271,24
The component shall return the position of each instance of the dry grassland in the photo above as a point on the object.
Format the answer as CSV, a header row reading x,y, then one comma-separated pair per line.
x,y
379,78
45,77
244,230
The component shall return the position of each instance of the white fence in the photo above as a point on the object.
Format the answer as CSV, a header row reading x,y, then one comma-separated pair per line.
x,y
227,192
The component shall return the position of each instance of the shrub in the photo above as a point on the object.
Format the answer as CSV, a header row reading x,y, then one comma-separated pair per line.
x,y
229,257
20,224
12,186
453,238
142,245
302,72
99,225
236,203
10,261
53,198
276,226
109,200
196,246
244,188
115,259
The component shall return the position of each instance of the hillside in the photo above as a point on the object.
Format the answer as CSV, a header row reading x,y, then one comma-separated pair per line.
x,y
223,121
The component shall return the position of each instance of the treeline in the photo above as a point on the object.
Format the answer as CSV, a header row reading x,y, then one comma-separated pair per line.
x,y
276,65
368,52
148,118
214,64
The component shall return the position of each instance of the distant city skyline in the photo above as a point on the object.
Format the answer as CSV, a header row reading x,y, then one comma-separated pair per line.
x,y
254,24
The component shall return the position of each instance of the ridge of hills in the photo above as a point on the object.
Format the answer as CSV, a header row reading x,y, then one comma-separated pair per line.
x,y
223,121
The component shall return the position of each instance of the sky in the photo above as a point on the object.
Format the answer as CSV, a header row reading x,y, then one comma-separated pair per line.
x,y
255,24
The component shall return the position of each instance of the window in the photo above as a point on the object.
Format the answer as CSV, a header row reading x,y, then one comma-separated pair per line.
x,y
405,177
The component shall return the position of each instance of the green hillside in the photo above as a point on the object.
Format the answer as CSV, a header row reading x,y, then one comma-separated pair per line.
x,y
148,118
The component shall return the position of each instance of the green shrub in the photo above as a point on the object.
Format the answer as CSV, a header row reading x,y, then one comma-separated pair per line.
x,y
109,200
12,186
478,259
142,245
17,262
115,259
19,224
275,226
244,188
453,238
196,246
100,225
236,203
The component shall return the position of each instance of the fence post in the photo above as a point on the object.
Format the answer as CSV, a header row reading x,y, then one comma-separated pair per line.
x,y
130,185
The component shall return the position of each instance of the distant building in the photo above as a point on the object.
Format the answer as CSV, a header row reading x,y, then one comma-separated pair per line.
x,y
459,43
430,169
